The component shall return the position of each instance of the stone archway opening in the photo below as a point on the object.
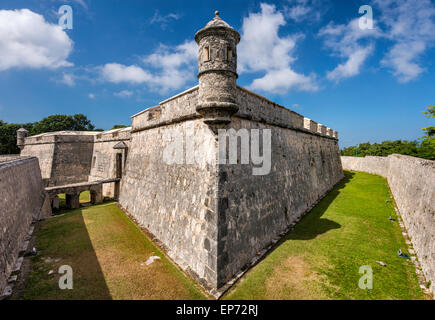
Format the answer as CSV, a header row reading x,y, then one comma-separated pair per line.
x,y
85,198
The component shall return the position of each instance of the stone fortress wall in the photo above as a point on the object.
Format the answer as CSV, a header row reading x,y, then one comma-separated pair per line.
x,y
412,183
256,209
21,202
68,157
174,202
65,157
212,218
108,159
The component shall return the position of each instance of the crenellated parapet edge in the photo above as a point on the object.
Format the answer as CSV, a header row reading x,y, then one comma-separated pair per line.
x,y
252,106
121,134
319,128
59,137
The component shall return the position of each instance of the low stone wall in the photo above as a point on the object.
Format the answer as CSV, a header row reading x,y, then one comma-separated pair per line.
x,y
412,182
21,201
65,157
9,157
107,147
373,165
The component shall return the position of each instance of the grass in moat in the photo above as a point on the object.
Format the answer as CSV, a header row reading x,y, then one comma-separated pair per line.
x,y
321,257
107,253
85,197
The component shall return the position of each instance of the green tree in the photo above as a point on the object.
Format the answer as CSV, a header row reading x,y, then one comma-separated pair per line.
x,y
429,113
8,131
425,148
119,126
60,122
8,136
427,145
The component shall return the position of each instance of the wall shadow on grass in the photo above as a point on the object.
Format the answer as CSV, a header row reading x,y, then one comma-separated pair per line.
x,y
65,241
312,224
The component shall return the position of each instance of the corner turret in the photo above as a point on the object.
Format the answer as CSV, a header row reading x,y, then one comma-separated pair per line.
x,y
217,65
21,136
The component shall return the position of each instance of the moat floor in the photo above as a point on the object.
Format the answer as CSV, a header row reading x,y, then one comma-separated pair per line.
x,y
108,254
322,256
319,259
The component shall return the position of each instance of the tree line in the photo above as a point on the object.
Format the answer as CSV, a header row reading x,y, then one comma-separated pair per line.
x,y
422,148
58,122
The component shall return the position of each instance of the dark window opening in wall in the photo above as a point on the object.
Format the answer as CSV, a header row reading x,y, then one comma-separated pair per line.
x,y
94,159
206,54
229,54
118,165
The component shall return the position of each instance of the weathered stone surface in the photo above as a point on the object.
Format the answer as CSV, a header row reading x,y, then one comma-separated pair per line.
x,y
257,208
374,165
65,157
214,218
68,157
22,197
211,218
105,157
175,202
412,183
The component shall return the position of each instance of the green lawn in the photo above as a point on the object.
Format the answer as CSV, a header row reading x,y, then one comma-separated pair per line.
x,y
321,257
85,197
107,253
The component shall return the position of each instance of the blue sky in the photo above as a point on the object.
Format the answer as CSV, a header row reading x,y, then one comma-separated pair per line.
x,y
308,55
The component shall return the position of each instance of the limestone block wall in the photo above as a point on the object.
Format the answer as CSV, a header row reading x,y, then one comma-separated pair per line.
x,y
104,157
21,201
412,182
176,202
212,218
180,107
9,157
42,148
255,209
72,160
257,108
65,156
373,165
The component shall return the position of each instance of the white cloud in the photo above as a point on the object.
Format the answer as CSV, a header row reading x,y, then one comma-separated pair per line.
x,y
163,21
352,65
123,93
401,58
410,24
28,41
299,10
281,81
117,73
174,66
82,3
168,68
68,79
263,50
348,42
91,96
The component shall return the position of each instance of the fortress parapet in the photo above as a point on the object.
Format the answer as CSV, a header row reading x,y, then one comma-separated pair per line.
x,y
21,136
321,129
217,66
310,125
